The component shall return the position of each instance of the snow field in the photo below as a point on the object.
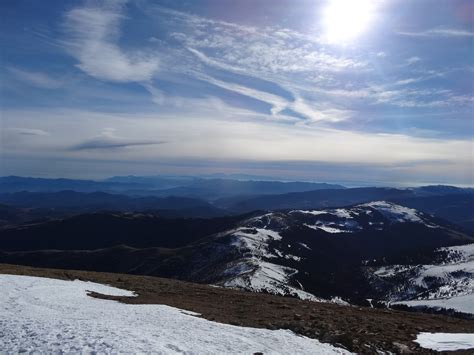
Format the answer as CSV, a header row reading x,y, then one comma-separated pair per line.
x,y
48,315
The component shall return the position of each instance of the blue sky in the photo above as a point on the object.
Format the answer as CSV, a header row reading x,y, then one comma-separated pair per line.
x,y
381,92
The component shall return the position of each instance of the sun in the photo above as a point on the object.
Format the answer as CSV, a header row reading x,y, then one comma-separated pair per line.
x,y
345,20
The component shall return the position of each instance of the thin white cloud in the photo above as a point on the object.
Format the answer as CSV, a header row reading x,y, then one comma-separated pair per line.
x,y
314,113
439,32
37,79
156,94
277,102
317,113
408,81
257,51
91,37
400,94
413,60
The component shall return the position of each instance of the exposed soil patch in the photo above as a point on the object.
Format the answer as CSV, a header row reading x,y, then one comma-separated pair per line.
x,y
362,330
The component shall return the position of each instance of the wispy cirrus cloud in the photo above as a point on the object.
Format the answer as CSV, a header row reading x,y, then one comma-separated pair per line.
x,y
277,102
91,35
265,53
408,81
275,55
259,51
35,78
413,60
315,113
312,112
399,95
303,75
438,32
296,62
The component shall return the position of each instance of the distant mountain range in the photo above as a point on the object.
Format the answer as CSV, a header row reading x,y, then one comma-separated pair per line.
x,y
81,202
338,197
10,184
451,203
208,189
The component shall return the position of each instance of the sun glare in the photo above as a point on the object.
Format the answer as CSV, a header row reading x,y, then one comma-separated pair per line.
x,y
345,20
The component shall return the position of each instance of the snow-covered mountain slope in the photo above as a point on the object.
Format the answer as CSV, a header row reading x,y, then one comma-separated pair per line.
x,y
53,316
398,214
257,267
374,215
448,283
310,254
302,253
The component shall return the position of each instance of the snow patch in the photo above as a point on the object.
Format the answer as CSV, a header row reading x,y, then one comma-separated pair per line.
x,y
261,276
392,270
324,228
343,213
255,241
292,257
346,226
305,246
314,213
395,213
43,315
446,341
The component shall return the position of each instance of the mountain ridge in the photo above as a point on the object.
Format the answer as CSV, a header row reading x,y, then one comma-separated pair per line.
x,y
310,254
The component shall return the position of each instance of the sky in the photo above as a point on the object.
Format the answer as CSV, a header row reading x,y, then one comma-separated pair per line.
x,y
367,91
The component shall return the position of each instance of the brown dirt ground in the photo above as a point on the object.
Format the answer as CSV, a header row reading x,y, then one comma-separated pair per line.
x,y
362,330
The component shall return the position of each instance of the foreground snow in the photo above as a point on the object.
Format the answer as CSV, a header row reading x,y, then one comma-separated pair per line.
x,y
445,341
48,315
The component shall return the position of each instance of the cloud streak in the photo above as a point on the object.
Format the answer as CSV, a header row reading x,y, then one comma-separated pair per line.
x,y
28,131
313,113
439,32
105,143
108,140
91,34
37,79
